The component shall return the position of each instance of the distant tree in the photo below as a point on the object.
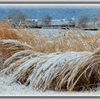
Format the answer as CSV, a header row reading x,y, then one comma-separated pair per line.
x,y
83,21
16,16
46,19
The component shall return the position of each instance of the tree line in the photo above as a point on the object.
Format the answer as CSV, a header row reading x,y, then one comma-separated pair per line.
x,y
17,16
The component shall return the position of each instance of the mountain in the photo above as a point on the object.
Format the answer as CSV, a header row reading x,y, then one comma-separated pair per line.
x,y
61,12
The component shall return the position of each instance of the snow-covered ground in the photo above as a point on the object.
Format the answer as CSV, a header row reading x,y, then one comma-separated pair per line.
x,y
57,32
21,90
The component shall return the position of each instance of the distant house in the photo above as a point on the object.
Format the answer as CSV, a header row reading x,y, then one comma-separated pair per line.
x,y
63,20
58,22
36,20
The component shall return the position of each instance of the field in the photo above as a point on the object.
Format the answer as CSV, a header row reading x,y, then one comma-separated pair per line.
x,y
49,61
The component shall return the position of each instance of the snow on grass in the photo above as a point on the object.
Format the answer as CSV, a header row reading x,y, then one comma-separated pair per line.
x,y
46,72
7,87
15,42
40,70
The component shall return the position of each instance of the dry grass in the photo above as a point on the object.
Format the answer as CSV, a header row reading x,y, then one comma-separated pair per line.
x,y
43,63
78,40
51,71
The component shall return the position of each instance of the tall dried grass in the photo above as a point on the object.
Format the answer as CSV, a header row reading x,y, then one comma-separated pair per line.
x,y
46,63
78,40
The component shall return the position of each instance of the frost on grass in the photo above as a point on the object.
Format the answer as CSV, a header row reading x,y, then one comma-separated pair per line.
x,y
56,71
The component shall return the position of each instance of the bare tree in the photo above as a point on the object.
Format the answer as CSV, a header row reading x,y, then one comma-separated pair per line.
x,y
83,21
16,16
46,19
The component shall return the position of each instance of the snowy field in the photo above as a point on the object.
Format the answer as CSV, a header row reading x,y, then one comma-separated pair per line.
x,y
56,32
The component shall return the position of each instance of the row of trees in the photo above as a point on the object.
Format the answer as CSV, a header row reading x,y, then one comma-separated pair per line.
x,y
17,16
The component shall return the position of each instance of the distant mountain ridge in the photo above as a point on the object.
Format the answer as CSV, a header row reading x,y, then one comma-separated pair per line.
x,y
67,13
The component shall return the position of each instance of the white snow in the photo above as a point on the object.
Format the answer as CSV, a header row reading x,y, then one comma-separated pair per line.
x,y
21,90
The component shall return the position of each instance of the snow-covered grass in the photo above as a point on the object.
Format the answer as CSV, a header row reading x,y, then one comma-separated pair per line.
x,y
56,71
49,64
